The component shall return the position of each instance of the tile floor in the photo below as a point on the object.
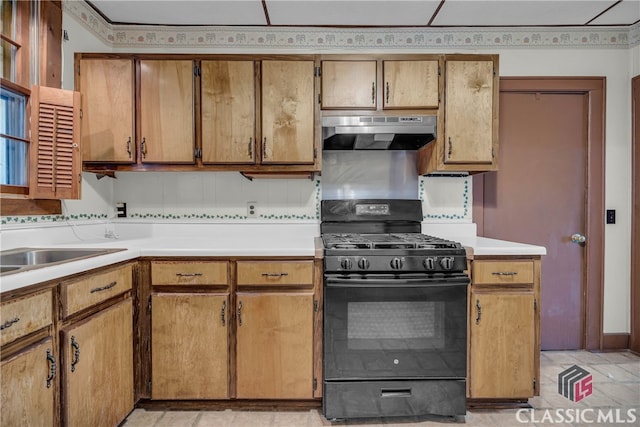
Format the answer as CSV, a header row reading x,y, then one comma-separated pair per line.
x,y
615,398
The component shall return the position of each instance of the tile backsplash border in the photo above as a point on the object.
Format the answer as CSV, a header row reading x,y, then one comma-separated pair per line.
x,y
456,190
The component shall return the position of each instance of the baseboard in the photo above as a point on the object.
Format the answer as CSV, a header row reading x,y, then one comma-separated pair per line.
x,y
615,342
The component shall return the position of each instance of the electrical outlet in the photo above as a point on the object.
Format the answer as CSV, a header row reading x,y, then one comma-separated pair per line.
x,y
252,210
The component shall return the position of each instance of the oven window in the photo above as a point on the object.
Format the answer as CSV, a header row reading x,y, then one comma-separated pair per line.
x,y
395,325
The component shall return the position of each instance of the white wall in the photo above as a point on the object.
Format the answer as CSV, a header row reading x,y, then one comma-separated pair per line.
x,y
617,65
97,195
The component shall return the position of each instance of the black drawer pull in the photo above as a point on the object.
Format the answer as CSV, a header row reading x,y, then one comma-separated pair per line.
x,y
188,274
104,288
9,323
392,392
275,274
504,273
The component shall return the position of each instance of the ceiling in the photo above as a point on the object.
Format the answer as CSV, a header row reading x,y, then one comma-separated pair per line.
x,y
371,13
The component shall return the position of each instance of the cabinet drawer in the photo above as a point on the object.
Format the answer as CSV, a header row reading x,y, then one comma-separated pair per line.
x,y
25,315
270,273
496,272
80,294
189,273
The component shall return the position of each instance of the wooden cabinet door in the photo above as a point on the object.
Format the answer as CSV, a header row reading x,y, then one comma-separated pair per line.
x,y
288,112
502,346
166,111
28,385
228,112
349,85
410,84
98,371
469,112
107,88
274,345
189,346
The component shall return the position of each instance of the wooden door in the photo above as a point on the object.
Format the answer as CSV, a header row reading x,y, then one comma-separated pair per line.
x,y
189,354
98,370
27,395
349,85
502,344
410,84
288,120
469,105
166,111
538,197
275,345
228,112
107,88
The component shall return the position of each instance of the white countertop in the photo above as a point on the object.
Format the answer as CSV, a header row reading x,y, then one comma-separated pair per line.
x,y
189,240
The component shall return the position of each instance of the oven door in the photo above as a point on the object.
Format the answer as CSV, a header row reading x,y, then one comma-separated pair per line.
x,y
382,326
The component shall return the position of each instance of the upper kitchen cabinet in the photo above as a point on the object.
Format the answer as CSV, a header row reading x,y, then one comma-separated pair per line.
x,y
288,117
228,99
166,111
107,87
409,83
468,127
349,84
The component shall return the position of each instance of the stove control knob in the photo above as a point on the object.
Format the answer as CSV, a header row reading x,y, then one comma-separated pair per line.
x,y
364,264
396,263
429,263
346,264
446,263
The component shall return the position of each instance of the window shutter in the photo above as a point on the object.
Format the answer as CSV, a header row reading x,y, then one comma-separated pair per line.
x,y
55,154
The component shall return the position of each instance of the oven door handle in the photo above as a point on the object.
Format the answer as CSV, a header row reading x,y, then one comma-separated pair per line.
x,y
391,282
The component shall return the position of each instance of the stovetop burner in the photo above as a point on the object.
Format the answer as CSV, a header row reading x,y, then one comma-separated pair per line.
x,y
386,241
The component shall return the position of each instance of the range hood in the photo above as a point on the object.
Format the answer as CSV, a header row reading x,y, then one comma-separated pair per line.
x,y
377,132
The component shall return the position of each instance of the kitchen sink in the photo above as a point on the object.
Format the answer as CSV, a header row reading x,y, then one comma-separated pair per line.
x,y
21,259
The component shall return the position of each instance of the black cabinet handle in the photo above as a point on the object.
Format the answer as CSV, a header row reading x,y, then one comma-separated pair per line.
x,y
143,148
188,274
239,313
479,312
275,274
104,288
504,273
223,312
129,147
52,368
9,323
76,353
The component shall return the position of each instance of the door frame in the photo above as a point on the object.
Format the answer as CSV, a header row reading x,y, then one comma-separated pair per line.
x,y
594,88
634,338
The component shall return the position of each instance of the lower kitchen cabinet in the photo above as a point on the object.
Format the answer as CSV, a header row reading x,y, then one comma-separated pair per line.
x,y
502,330
275,345
97,378
189,336
28,386
504,347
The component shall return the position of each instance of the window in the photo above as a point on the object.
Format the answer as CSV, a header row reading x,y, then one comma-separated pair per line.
x,y
41,161
13,144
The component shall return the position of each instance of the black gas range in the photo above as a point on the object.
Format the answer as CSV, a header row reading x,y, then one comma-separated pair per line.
x,y
392,252
395,313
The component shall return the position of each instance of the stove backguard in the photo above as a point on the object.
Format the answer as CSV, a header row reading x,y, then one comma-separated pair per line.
x,y
369,175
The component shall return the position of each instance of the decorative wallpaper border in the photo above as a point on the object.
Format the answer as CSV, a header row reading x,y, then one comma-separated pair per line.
x,y
220,37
